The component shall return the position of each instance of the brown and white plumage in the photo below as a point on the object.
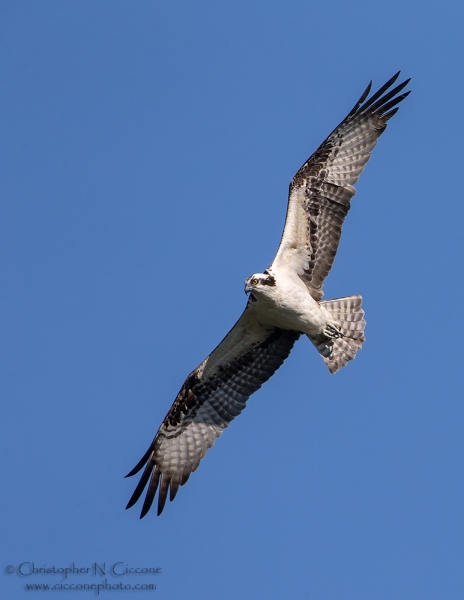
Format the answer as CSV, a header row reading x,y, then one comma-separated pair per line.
x,y
285,302
321,191
211,397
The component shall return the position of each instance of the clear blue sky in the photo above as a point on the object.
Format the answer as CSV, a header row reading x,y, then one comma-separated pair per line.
x,y
146,150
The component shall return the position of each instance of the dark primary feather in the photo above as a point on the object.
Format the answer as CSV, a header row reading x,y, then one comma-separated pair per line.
x,y
201,411
324,184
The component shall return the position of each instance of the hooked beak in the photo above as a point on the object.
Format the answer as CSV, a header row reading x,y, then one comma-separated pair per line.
x,y
248,287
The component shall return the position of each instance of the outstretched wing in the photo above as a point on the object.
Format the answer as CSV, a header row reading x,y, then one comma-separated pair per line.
x,y
320,192
212,396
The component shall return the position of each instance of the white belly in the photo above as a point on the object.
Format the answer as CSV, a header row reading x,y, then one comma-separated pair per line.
x,y
291,307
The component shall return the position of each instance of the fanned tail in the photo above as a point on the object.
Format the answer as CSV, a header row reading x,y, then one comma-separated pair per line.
x,y
349,315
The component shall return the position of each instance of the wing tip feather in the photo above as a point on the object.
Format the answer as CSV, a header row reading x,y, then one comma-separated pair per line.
x,y
163,493
363,97
141,462
142,483
153,486
382,97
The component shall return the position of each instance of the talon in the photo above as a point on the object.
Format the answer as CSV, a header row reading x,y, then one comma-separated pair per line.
x,y
332,330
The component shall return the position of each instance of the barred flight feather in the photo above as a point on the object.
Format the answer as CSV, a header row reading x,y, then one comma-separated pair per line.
x,y
191,427
321,191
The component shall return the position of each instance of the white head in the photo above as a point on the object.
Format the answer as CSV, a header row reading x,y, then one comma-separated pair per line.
x,y
260,283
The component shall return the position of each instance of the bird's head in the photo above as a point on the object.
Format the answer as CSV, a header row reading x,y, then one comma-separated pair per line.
x,y
259,282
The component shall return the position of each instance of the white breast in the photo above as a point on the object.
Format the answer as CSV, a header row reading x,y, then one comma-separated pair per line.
x,y
289,305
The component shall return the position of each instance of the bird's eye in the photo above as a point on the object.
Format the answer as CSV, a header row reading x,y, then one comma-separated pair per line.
x,y
254,281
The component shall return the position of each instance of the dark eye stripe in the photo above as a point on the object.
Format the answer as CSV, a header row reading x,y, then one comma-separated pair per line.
x,y
269,281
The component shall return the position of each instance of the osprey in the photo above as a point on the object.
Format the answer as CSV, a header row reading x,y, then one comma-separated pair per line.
x,y
285,301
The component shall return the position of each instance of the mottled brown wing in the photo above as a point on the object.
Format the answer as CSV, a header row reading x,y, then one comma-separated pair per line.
x,y
212,396
321,191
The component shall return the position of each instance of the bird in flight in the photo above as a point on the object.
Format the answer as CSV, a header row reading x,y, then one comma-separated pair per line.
x,y
284,302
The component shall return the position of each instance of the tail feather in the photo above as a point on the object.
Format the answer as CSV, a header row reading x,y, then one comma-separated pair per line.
x,y
349,315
